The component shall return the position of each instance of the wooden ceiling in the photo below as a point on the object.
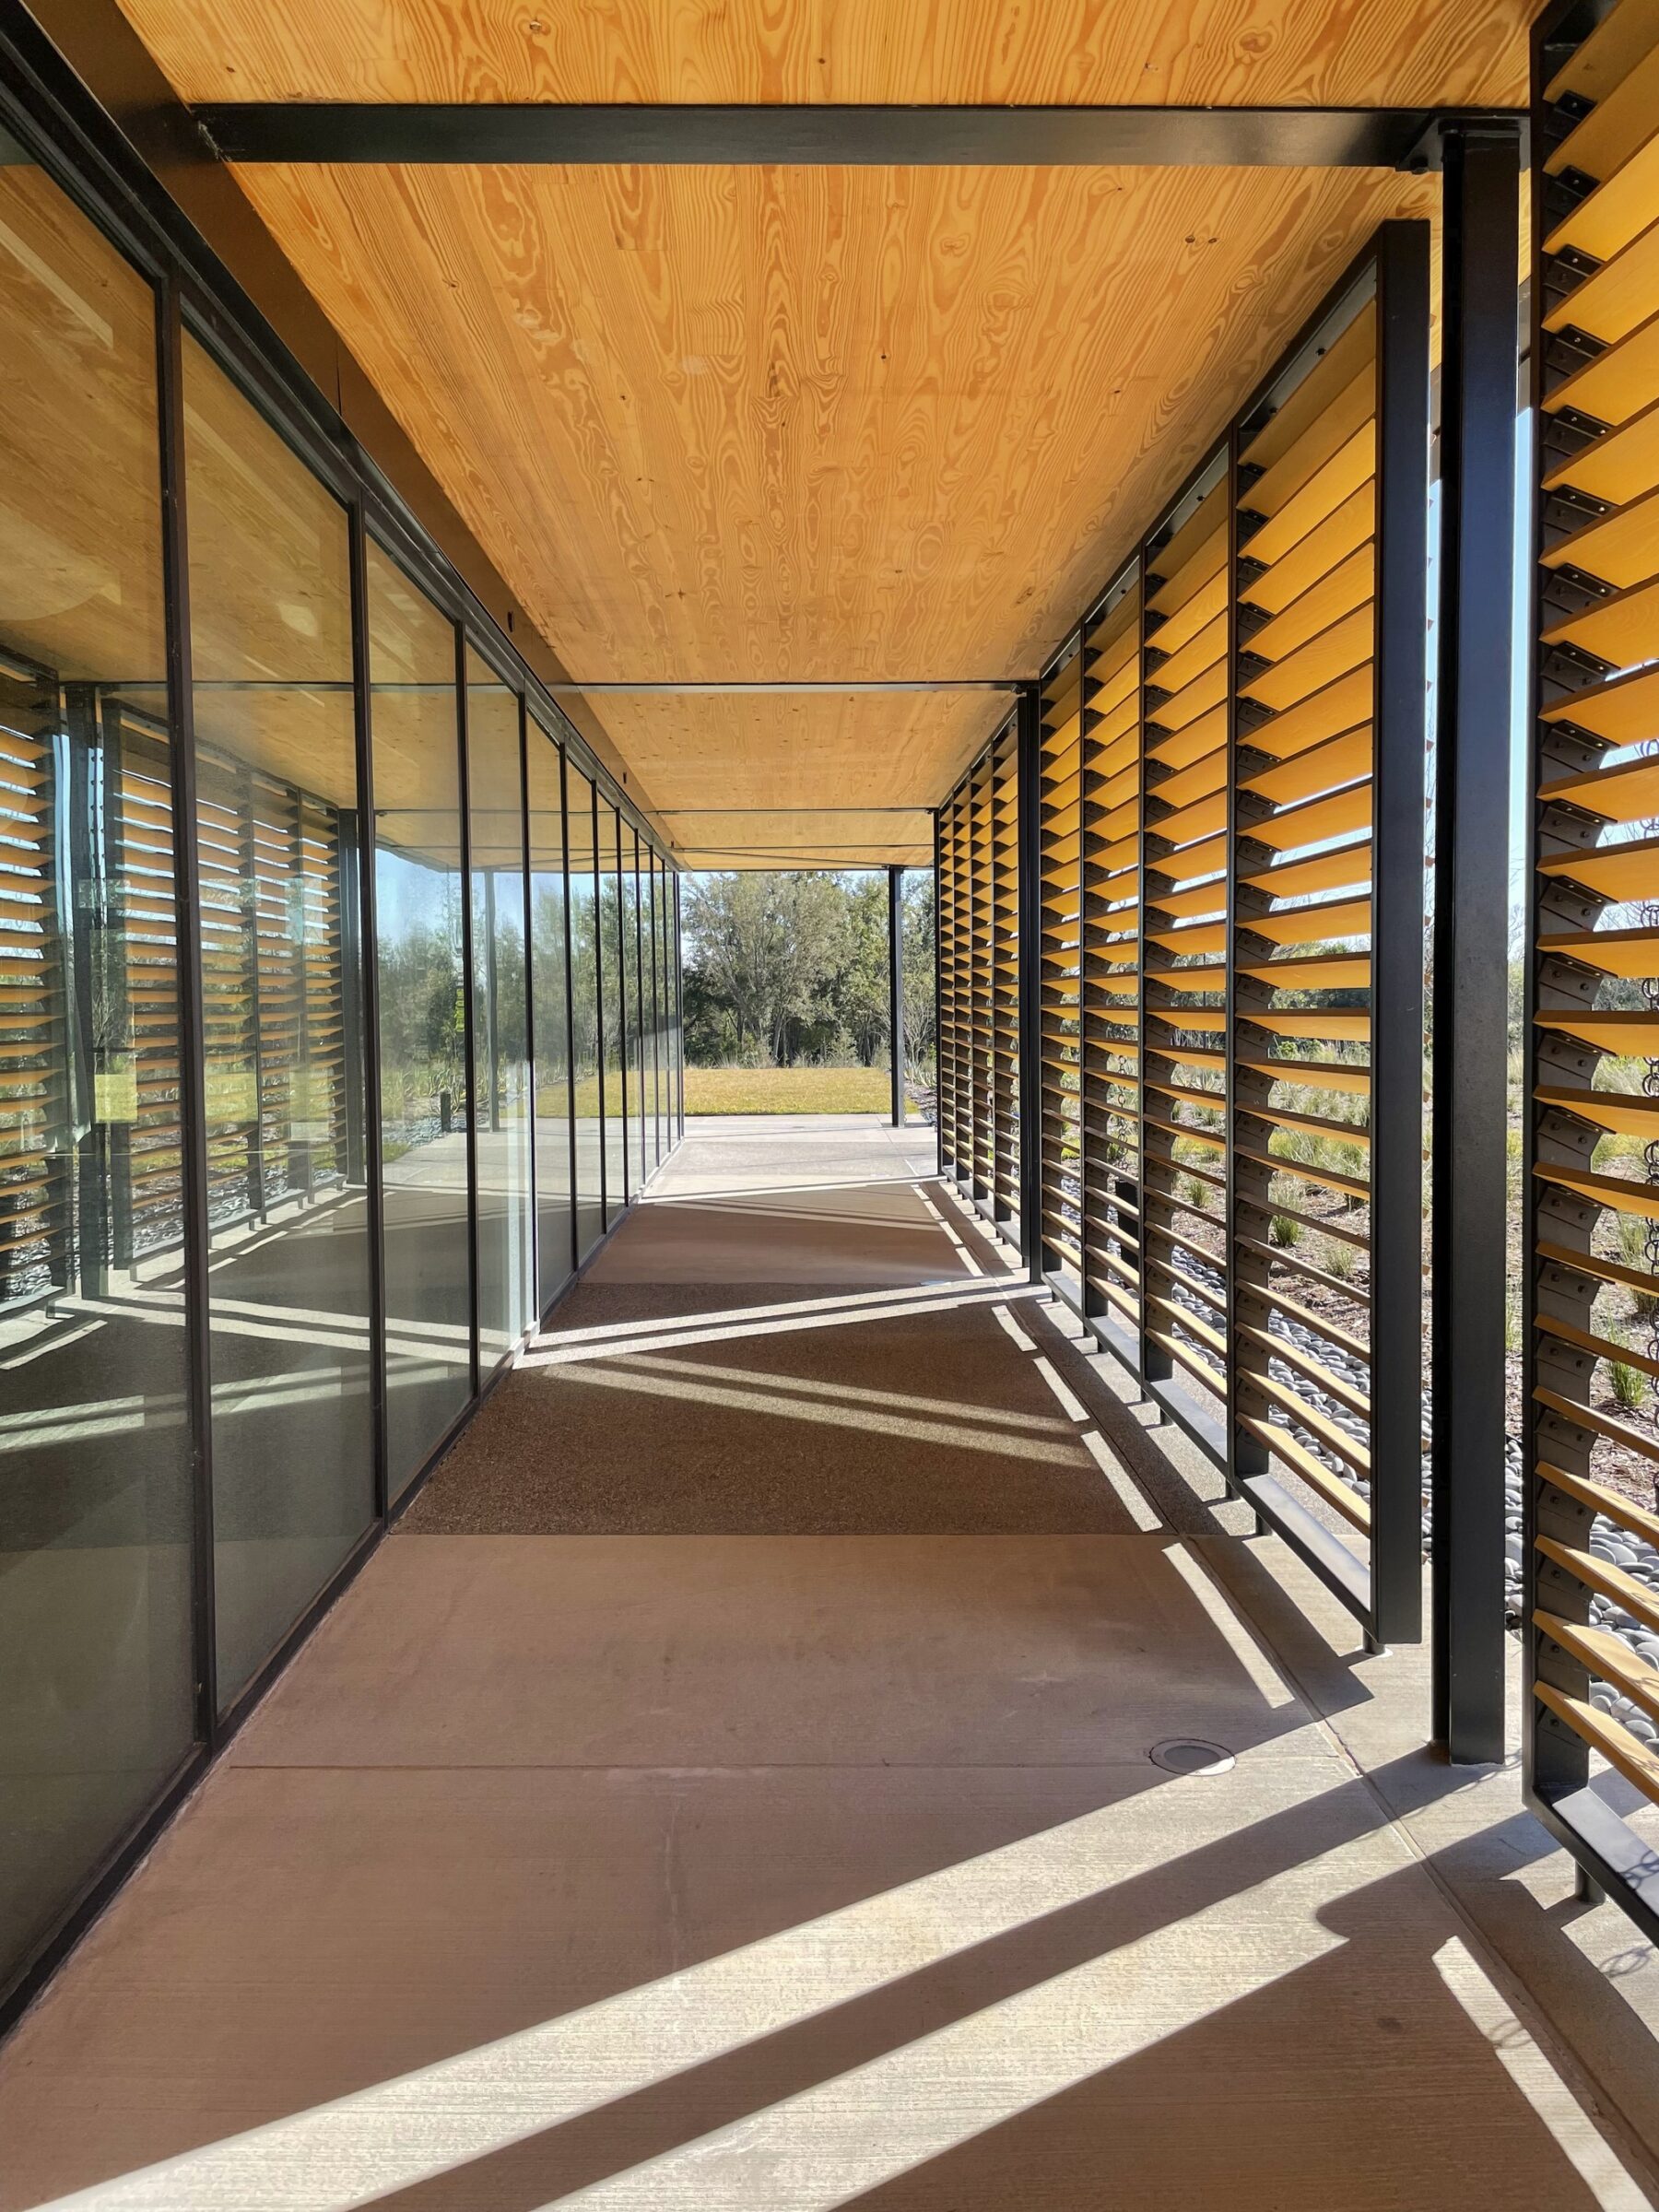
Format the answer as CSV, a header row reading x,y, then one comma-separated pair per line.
x,y
728,425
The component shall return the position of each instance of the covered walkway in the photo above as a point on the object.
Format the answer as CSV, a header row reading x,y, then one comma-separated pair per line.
x,y
737,1783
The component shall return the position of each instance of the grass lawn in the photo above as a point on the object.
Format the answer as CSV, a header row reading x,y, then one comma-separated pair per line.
x,y
787,1091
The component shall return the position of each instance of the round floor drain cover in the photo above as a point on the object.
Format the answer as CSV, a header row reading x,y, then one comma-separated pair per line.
x,y
1191,1755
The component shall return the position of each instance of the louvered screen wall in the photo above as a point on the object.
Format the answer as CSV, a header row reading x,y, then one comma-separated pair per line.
x,y
149,1200
1591,1367
1060,943
273,1005
1212,873
1005,976
35,1197
1184,658
1302,862
978,843
1110,824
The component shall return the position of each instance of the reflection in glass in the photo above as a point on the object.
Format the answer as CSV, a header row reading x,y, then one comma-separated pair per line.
x,y
671,1005
96,1710
278,851
418,889
500,1100
631,1011
584,1010
553,1224
658,1087
612,918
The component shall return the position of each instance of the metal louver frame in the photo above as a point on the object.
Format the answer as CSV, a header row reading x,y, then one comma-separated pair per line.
x,y
1230,763
979,981
1591,1149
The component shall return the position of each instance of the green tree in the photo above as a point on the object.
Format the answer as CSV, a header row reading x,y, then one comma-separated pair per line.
x,y
768,947
859,989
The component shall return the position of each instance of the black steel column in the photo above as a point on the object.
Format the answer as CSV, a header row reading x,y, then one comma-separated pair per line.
x,y
187,913
896,988
1397,1050
1028,726
1471,931
527,849
469,1044
373,1177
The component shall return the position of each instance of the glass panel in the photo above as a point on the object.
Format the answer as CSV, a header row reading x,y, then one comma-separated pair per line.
x,y
611,978
417,887
549,1025
671,962
95,1458
501,1117
630,971
648,1038
276,842
658,1009
584,1010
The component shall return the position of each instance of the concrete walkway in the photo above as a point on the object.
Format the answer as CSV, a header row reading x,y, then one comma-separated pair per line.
x,y
743,1781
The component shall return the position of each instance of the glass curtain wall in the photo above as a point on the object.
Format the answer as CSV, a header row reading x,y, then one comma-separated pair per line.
x,y
585,968
277,835
95,1656
634,1103
613,935
659,993
499,1093
418,895
555,1226
187,1222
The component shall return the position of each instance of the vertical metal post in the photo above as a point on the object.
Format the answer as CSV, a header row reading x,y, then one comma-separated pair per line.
x,y
570,999
469,1044
1396,1053
599,999
187,912
896,988
533,1194
1471,932
1029,729
373,1180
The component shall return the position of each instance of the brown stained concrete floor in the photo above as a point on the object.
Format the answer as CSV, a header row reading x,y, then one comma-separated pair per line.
x,y
671,1865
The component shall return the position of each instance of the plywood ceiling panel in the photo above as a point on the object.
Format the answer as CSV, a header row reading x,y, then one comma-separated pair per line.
x,y
1192,52
786,424
850,837
874,748
814,425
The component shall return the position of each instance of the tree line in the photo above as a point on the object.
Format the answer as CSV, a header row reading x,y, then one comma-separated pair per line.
x,y
785,970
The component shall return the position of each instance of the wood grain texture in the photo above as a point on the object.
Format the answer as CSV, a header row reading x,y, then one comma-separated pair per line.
x,y
743,423
865,748
849,837
1359,53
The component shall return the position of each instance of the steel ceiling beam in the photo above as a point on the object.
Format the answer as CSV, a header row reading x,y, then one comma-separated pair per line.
x,y
826,135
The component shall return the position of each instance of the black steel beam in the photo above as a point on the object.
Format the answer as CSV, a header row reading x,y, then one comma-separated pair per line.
x,y
786,688
824,135
896,988
1481,358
